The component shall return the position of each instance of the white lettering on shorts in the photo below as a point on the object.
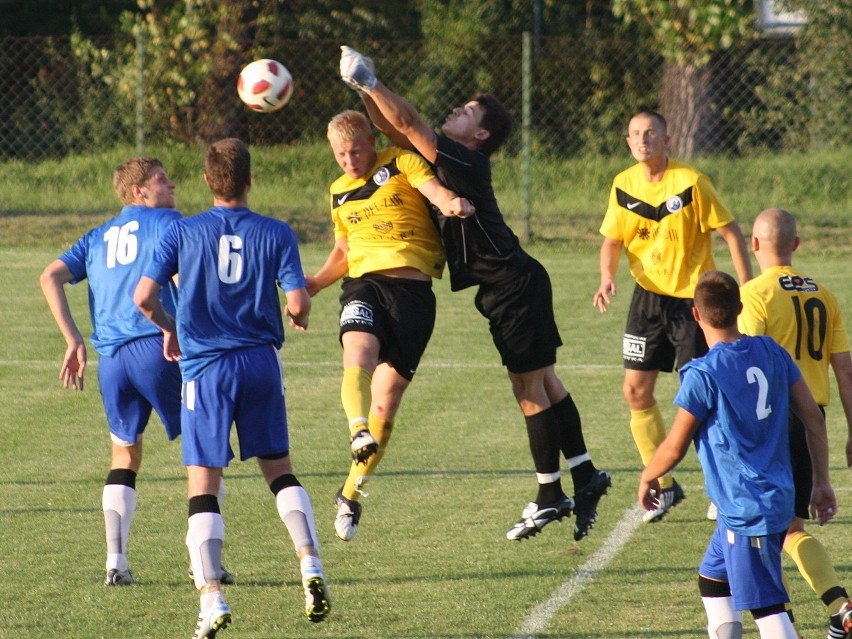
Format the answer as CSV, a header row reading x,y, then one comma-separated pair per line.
x,y
356,312
633,348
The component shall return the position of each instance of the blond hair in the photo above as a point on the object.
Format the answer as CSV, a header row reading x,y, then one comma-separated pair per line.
x,y
348,126
133,172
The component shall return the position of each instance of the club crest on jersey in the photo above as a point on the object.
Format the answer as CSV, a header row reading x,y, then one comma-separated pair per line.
x,y
674,204
356,312
381,176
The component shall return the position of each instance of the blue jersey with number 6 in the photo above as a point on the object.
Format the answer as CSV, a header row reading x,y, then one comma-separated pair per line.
x,y
112,257
740,392
229,261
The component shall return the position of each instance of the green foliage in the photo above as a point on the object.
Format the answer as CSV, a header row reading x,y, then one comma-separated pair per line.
x,y
346,20
688,32
827,58
804,103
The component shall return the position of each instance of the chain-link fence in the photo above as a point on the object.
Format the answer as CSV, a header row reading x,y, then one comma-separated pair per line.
x,y
60,97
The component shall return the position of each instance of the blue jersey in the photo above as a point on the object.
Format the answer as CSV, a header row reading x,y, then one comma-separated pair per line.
x,y
112,257
230,262
740,392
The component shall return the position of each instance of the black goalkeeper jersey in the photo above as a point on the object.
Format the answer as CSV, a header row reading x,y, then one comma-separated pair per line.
x,y
480,249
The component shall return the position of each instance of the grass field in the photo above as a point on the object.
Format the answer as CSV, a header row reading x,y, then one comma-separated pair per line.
x,y
61,199
430,560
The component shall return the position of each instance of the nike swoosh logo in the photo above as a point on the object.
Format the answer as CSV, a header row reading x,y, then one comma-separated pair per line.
x,y
342,198
633,205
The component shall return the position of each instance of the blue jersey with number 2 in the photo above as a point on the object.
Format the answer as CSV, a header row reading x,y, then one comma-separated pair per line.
x,y
112,257
740,392
230,263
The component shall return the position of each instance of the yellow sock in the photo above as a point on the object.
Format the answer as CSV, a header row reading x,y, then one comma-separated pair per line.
x,y
356,396
648,431
359,473
813,562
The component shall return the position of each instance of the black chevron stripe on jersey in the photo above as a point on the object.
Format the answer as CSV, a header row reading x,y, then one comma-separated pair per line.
x,y
656,213
365,192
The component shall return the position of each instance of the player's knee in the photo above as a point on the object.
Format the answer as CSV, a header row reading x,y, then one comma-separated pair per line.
x,y
638,396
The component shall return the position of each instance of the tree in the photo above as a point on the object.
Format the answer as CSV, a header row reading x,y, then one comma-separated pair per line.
x,y
688,34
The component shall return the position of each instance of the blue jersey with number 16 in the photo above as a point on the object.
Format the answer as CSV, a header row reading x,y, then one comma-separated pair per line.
x,y
112,257
230,263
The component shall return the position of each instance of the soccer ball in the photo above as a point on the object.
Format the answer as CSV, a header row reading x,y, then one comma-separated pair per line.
x,y
265,85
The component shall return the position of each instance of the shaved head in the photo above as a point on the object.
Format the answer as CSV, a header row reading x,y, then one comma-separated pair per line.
x,y
775,229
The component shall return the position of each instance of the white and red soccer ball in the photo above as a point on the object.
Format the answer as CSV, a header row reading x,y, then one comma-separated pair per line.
x,y
265,85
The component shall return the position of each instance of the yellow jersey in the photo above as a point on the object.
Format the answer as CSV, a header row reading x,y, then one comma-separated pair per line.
x,y
665,226
802,316
385,219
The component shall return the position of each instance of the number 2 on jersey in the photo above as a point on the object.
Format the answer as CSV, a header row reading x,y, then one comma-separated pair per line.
x,y
756,376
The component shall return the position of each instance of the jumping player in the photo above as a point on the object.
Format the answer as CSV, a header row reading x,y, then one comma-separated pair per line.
x,y
514,290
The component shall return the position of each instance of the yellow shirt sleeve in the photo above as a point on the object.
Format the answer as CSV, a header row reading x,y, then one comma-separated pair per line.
x,y
752,319
415,168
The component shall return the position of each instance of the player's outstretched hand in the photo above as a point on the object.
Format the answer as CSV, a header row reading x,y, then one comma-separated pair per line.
x,y
602,296
73,366
171,347
357,70
823,503
647,494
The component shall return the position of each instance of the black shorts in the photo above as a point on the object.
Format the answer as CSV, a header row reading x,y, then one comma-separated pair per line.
x,y
520,317
800,457
660,333
400,312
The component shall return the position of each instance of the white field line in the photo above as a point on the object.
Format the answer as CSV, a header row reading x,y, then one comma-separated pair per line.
x,y
542,614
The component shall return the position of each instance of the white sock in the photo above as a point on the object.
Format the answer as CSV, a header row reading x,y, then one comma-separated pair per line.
x,y
777,626
310,566
210,599
204,539
119,506
295,510
723,622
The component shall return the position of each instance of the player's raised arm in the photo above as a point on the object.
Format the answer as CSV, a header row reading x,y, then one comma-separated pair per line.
x,y
392,114
450,204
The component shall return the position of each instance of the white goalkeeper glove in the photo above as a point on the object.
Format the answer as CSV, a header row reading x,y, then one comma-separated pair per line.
x,y
357,70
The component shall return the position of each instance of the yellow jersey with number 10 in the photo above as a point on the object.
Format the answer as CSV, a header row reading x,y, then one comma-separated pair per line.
x,y
665,226
802,316
385,219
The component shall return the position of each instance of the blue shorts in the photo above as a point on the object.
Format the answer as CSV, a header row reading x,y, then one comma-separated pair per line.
x,y
750,565
243,387
135,380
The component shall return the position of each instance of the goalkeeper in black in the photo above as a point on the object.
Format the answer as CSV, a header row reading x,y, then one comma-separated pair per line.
x,y
514,291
